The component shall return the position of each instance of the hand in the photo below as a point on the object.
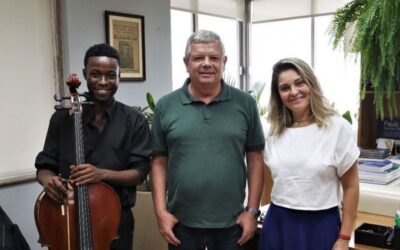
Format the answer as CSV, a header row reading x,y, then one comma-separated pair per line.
x,y
54,188
166,222
249,225
341,245
86,174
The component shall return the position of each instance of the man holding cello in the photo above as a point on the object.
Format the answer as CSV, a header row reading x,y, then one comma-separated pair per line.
x,y
116,142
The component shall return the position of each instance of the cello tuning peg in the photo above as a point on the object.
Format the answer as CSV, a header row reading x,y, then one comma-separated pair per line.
x,y
58,97
86,95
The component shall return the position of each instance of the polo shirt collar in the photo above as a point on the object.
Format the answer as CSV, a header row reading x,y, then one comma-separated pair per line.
x,y
187,98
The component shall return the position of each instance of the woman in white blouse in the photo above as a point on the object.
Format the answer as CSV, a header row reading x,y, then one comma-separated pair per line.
x,y
311,153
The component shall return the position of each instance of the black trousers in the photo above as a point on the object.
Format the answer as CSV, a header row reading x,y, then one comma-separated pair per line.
x,y
125,231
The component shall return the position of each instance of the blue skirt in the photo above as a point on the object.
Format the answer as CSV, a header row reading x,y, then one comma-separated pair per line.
x,y
289,229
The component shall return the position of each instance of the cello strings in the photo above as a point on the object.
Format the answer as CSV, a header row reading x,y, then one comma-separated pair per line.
x,y
83,194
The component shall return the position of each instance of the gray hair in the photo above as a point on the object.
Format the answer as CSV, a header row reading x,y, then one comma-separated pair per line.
x,y
204,36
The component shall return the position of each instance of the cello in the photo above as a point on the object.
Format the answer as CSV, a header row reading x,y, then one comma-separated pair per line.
x,y
89,216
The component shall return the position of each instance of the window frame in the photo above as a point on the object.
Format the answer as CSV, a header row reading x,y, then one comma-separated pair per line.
x,y
240,39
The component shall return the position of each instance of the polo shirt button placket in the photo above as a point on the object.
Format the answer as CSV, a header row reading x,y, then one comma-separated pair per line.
x,y
206,115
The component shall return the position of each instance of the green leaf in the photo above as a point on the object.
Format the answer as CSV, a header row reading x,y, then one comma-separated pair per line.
x,y
150,101
376,38
256,92
347,116
229,79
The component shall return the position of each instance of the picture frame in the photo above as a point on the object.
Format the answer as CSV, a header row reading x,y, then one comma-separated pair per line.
x,y
125,32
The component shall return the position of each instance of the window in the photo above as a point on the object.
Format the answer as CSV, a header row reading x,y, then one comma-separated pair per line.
x,y
227,29
335,71
272,41
305,38
182,28
275,40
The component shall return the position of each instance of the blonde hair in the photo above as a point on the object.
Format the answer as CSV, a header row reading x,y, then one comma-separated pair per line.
x,y
279,116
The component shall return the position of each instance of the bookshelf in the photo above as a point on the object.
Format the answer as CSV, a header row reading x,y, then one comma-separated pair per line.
x,y
367,121
375,199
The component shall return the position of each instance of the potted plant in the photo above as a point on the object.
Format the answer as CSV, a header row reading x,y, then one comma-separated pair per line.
x,y
148,112
149,109
256,92
372,29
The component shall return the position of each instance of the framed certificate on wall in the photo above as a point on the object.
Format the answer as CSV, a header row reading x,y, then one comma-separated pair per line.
x,y
125,32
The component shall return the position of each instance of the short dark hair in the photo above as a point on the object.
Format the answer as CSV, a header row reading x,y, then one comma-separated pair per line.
x,y
101,49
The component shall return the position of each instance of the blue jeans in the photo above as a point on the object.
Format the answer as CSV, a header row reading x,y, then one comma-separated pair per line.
x,y
212,238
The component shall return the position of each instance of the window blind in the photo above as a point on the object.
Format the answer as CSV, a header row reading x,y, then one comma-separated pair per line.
x,y
267,10
224,8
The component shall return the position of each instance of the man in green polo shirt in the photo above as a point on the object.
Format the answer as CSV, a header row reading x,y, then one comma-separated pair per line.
x,y
202,134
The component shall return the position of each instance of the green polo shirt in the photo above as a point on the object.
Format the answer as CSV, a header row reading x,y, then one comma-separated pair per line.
x,y
205,146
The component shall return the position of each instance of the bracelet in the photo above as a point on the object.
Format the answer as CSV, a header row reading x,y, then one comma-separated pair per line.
x,y
344,237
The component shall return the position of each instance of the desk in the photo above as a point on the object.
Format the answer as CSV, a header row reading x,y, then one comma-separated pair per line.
x,y
380,199
361,218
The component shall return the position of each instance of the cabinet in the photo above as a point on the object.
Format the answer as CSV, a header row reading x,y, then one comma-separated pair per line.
x,y
146,234
367,121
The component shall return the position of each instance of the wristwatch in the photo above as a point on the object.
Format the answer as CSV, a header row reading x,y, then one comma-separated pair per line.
x,y
254,211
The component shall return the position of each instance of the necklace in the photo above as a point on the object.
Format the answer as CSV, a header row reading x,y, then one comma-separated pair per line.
x,y
301,122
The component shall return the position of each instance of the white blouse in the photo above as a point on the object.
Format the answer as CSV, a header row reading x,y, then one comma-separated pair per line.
x,y
306,164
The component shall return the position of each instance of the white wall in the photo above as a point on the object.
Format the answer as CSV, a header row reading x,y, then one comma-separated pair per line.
x,y
83,26
26,83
